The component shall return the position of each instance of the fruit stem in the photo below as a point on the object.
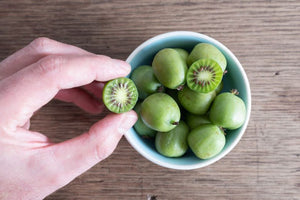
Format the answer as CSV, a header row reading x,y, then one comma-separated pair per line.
x,y
180,87
175,123
234,91
223,130
160,89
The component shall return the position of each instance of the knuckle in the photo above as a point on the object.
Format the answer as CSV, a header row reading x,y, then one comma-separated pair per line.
x,y
41,44
101,59
50,64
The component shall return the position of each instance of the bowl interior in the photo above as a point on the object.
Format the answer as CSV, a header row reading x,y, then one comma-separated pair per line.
x,y
235,78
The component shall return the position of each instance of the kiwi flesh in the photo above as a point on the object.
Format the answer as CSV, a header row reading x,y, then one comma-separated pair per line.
x,y
204,75
120,95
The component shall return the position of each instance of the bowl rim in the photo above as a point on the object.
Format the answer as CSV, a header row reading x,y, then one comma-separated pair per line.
x,y
248,106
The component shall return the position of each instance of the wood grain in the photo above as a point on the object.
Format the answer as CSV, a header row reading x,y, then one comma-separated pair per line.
x,y
265,37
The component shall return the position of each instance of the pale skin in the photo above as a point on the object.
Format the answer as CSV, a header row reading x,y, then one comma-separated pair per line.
x,y
31,166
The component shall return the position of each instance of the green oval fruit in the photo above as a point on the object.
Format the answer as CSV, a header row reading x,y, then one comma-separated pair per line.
x,y
206,141
169,68
174,142
195,102
205,50
219,88
228,111
120,95
194,121
145,81
140,126
160,112
183,53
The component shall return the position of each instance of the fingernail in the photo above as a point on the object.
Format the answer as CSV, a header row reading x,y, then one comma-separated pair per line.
x,y
127,122
122,65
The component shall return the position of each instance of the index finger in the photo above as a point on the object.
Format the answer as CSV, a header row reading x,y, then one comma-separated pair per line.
x,y
32,87
37,49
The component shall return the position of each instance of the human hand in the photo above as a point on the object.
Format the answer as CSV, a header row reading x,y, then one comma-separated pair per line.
x,y
31,167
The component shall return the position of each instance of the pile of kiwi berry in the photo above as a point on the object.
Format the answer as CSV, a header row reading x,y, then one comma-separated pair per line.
x,y
180,103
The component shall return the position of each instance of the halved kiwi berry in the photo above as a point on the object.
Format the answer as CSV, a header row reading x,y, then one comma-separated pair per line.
x,y
120,95
204,75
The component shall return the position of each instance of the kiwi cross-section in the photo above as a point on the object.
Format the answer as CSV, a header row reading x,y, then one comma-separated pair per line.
x,y
120,95
204,75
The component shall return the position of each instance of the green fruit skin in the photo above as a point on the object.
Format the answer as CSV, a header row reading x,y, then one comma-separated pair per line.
x,y
206,141
145,81
228,111
205,50
219,88
196,102
174,142
159,111
183,53
169,68
140,126
194,121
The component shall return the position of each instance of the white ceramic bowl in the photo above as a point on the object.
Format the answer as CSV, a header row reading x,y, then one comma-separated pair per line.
x,y
235,78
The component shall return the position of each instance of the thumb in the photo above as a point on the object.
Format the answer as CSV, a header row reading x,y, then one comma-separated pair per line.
x,y
77,155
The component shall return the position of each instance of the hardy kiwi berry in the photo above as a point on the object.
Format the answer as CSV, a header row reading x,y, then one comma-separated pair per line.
x,y
195,102
141,128
219,88
194,121
206,140
183,53
160,112
120,95
228,110
204,75
173,143
169,68
205,50
145,81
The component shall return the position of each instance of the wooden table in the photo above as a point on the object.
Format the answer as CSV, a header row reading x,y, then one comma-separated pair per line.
x,y
265,37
